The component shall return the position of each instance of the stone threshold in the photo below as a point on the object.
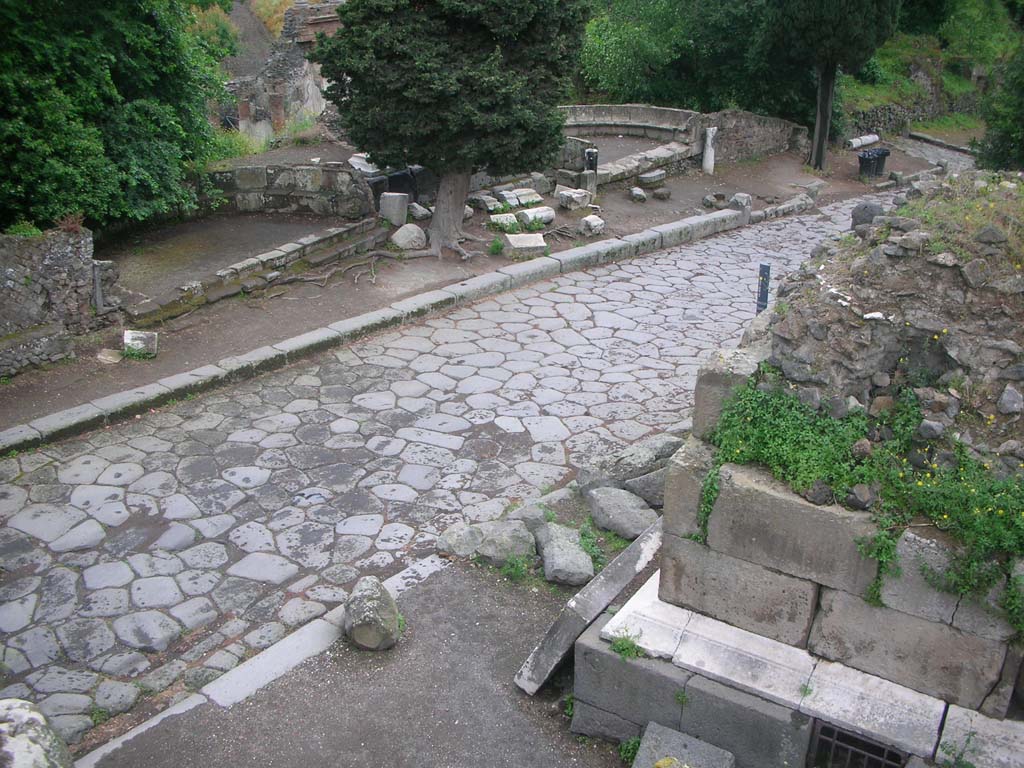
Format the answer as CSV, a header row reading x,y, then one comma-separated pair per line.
x,y
793,678
123,405
268,665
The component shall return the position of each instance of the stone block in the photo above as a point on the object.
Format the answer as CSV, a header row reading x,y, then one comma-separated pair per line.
x,y
591,226
997,703
307,343
744,660
743,594
542,213
394,206
718,379
523,247
759,519
593,721
18,438
527,196
931,658
424,303
639,690
70,421
660,743
875,708
993,743
652,179
132,401
361,325
574,199
655,626
584,608
647,241
479,287
759,733
910,592
505,220
684,481
251,177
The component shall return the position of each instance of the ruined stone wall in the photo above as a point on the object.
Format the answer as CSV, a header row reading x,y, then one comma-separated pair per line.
x,y
47,294
746,136
331,189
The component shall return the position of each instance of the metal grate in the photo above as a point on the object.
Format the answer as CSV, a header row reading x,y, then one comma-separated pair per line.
x,y
832,747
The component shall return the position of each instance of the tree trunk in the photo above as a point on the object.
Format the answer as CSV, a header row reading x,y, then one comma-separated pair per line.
x,y
446,225
823,118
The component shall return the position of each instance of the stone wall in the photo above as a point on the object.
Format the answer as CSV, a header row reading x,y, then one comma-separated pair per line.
x,y
896,118
746,136
632,120
330,189
48,291
789,570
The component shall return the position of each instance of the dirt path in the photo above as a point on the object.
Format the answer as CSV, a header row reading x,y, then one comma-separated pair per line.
x,y
254,42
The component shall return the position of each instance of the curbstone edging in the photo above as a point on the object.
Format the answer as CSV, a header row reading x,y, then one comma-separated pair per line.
x,y
119,405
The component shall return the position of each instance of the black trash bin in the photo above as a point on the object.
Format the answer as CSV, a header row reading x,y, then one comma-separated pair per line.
x,y
880,154
872,161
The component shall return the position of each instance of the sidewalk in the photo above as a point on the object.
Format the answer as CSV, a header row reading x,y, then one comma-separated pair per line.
x,y
443,698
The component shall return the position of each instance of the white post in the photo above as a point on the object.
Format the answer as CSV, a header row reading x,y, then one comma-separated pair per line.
x,y
708,165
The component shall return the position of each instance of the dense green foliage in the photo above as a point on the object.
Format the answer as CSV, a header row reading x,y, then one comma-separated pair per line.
x,y
1003,110
770,427
454,85
102,108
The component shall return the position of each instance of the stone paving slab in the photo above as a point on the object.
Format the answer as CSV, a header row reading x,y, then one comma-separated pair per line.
x,y
443,420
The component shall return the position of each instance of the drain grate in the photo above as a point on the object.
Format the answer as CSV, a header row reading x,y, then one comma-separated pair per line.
x,y
833,747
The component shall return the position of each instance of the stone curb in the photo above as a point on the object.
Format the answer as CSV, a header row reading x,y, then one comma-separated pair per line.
x,y
942,144
121,405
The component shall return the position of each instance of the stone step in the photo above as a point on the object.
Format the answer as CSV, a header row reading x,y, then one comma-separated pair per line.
x,y
660,744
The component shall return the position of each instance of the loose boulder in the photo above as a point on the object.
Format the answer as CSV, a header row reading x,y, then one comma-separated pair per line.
x,y
567,563
409,237
460,540
591,225
503,540
27,740
633,461
864,213
620,511
371,616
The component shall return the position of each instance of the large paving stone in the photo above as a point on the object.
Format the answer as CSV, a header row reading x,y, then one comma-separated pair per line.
x,y
85,639
260,566
758,519
935,659
149,631
744,594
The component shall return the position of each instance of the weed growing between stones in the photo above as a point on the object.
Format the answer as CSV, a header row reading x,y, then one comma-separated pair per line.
x,y
570,705
130,353
588,541
99,715
515,568
806,690
625,645
763,424
956,754
628,750
496,247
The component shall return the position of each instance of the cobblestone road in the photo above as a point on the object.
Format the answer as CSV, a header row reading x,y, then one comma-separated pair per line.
x,y
250,510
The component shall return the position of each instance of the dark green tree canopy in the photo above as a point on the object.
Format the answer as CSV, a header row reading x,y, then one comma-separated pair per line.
x,y
102,108
831,33
454,85
1003,110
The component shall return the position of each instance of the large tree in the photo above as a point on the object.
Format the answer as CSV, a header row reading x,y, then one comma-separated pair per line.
x,y
830,34
1003,110
454,85
102,108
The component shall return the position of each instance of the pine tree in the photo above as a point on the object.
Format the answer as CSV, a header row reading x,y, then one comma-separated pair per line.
x,y
455,86
831,34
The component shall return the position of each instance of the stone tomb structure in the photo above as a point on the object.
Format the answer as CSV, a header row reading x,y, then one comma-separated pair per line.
x,y
760,642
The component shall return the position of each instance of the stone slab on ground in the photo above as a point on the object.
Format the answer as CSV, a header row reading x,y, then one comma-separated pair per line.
x,y
659,743
744,594
584,608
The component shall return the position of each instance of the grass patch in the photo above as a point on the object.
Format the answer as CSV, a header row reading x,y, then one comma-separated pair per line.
x,y
23,229
955,121
271,13
800,446
569,708
228,144
131,353
628,750
497,247
626,647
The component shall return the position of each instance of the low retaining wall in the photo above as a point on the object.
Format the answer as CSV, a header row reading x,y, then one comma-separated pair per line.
x,y
50,289
746,136
330,189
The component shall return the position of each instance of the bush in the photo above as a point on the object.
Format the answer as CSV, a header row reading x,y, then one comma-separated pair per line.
x,y
102,109
1003,111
